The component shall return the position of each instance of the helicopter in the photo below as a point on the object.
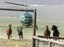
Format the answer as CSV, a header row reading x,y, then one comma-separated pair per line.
x,y
26,18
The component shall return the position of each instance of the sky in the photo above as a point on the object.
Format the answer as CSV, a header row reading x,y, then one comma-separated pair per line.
x,y
39,2
54,9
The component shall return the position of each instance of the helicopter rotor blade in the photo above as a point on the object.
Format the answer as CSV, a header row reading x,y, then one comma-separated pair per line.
x,y
16,4
8,9
35,5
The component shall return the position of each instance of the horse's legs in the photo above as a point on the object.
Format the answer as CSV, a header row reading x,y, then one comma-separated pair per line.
x,y
9,37
20,36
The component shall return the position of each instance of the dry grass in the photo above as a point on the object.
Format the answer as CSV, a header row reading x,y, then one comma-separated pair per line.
x,y
27,42
15,43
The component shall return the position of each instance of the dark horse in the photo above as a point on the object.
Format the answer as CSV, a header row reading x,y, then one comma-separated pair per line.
x,y
47,31
9,31
20,33
55,31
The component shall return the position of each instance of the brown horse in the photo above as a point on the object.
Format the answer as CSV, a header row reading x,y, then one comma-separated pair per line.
x,y
9,31
47,31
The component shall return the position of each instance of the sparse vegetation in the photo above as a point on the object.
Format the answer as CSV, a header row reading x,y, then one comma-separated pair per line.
x,y
27,42
14,43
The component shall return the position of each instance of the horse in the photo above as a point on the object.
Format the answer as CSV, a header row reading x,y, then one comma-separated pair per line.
x,y
20,33
9,31
55,31
47,31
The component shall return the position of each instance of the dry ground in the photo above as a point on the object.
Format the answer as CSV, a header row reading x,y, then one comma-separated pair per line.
x,y
27,42
15,43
